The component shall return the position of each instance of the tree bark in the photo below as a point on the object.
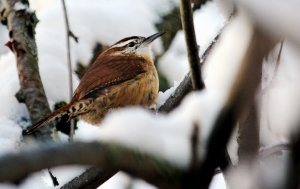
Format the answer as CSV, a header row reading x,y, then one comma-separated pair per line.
x,y
21,25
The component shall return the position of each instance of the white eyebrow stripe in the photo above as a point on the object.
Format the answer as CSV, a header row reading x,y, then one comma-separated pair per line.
x,y
123,43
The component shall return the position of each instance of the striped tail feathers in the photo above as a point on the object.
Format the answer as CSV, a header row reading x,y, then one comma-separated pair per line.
x,y
51,117
71,110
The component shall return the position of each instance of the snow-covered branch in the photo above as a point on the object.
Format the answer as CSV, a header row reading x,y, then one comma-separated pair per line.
x,y
21,22
107,156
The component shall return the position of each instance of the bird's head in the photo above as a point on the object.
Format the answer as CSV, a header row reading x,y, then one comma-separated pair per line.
x,y
137,45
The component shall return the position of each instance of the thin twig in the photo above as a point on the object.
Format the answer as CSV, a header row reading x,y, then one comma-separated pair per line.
x,y
53,178
91,178
192,47
194,148
278,58
68,34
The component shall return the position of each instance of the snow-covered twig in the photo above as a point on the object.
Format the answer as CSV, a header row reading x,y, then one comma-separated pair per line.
x,y
191,43
21,25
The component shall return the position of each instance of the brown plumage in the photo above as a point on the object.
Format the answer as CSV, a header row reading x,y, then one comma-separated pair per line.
x,y
122,75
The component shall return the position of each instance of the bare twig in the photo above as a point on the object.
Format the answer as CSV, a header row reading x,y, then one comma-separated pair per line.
x,y
192,47
194,148
278,57
53,178
68,35
90,179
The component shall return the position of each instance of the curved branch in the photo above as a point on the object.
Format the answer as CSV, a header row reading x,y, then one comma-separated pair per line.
x,y
107,156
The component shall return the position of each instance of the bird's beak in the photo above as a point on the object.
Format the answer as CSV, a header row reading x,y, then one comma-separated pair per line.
x,y
151,38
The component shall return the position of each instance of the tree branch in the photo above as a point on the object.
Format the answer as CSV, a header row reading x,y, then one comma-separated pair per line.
x,y
107,156
21,25
192,47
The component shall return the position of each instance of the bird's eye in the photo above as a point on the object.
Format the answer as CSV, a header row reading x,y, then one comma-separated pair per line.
x,y
131,44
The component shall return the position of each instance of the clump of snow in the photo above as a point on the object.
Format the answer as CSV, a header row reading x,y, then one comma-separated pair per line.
x,y
163,96
245,176
3,39
218,182
226,7
10,134
208,23
282,91
225,60
166,136
9,82
276,17
174,63
118,181
21,6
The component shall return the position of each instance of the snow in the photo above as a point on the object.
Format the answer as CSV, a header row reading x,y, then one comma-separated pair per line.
x,y
278,18
208,22
281,91
218,182
121,179
163,96
164,136
226,7
20,6
223,63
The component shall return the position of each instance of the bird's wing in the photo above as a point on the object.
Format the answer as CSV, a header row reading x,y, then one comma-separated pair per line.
x,y
107,71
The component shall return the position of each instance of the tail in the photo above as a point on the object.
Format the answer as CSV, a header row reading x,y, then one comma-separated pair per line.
x,y
53,116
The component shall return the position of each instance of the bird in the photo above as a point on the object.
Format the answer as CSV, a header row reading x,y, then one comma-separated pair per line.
x,y
122,75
